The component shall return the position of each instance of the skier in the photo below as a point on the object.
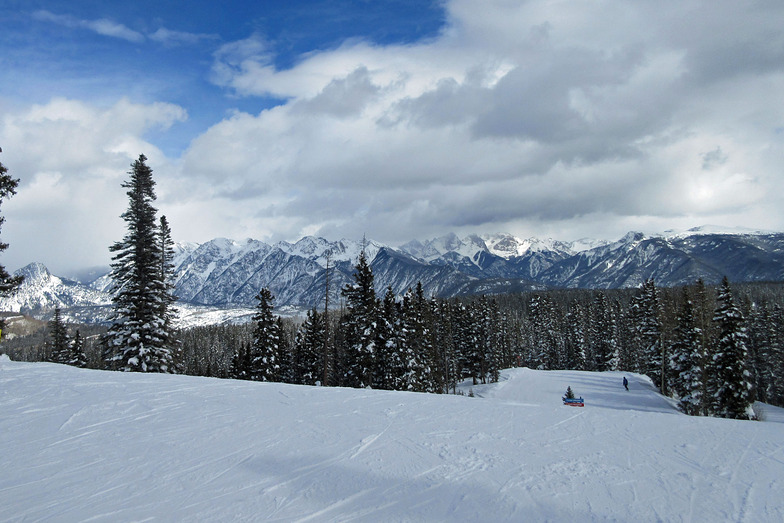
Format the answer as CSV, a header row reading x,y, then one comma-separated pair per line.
x,y
625,383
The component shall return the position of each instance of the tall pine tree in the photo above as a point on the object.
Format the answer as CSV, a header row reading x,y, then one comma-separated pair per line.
x,y
309,349
138,339
77,356
734,385
646,315
58,334
265,352
687,359
359,327
168,299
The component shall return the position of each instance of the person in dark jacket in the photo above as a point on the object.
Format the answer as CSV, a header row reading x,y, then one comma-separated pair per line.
x,y
625,383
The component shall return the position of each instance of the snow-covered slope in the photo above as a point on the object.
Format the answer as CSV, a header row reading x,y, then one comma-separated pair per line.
x,y
100,446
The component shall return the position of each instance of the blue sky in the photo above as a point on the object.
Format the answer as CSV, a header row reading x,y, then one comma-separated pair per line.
x,y
107,50
393,119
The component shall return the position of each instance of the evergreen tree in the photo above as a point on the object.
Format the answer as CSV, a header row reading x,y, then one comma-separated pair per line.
x,y
389,366
286,335
138,339
734,386
687,360
703,315
309,349
8,187
77,356
472,351
240,368
546,340
646,313
415,342
442,335
604,343
491,341
359,326
168,311
462,340
60,350
265,352
575,337
775,392
569,394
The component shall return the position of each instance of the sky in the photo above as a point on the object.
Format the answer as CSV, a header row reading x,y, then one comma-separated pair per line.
x,y
392,119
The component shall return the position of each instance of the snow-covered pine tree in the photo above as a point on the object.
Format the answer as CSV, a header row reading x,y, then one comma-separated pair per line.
x,y
138,340
704,305
489,340
389,367
58,334
359,326
541,328
441,336
415,349
265,357
775,391
646,315
168,299
309,349
604,343
460,339
286,335
77,357
761,338
240,368
472,340
687,360
575,336
734,384
8,187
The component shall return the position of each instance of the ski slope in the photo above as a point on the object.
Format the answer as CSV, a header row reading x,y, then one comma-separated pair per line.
x,y
83,445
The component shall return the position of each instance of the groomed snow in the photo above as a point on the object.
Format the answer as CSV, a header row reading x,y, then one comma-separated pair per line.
x,y
103,446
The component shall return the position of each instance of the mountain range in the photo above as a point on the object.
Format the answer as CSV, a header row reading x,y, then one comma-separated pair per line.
x,y
226,274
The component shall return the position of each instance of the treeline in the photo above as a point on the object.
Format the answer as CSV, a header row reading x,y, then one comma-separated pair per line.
x,y
714,349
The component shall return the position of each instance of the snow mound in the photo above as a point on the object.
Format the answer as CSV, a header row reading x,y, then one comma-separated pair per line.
x,y
89,445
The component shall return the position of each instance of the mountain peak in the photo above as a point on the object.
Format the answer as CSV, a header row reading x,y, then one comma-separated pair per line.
x,y
35,271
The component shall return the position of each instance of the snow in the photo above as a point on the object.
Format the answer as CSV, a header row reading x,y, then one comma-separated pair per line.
x,y
90,445
714,229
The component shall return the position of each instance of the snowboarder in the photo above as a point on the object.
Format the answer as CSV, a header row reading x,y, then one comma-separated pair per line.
x,y
625,383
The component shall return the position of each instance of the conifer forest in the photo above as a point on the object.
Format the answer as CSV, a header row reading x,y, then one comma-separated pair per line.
x,y
714,349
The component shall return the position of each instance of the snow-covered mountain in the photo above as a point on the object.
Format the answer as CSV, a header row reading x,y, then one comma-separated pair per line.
x,y
226,273
87,445
43,290
673,259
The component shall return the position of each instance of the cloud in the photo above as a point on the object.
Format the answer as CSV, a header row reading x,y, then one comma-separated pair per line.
x,y
105,27
518,113
101,26
537,118
71,159
170,37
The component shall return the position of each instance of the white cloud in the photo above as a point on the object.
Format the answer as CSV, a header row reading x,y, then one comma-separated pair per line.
x,y
100,26
106,27
71,159
519,115
170,37
540,118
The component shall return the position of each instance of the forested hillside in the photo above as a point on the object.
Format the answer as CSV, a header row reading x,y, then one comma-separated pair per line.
x,y
677,336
